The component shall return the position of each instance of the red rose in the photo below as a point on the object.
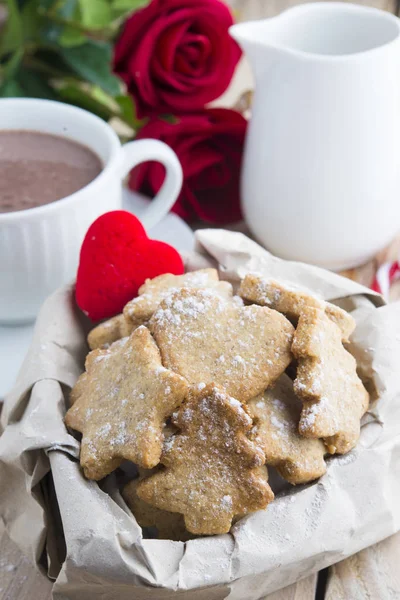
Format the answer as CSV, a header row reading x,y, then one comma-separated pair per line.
x,y
209,145
177,55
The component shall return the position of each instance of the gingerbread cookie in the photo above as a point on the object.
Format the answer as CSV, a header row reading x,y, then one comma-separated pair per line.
x,y
153,291
121,404
212,469
169,526
79,388
334,397
206,339
292,301
108,332
276,415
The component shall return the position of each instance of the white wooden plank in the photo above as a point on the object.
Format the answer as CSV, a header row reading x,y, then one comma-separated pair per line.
x,y
19,580
373,573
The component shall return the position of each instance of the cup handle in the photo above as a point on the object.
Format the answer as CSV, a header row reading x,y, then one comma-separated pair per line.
x,y
136,152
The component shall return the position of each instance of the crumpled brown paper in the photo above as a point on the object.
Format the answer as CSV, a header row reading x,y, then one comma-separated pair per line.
x,y
43,492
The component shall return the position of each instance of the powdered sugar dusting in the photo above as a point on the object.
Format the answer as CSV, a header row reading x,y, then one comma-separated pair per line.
x,y
102,356
234,402
226,503
177,306
240,351
104,430
315,410
169,443
238,360
237,300
277,423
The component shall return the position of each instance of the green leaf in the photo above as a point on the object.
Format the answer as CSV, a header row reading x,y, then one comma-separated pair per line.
x,y
12,65
77,95
128,111
35,85
54,13
124,7
71,36
68,9
92,61
53,62
45,5
96,14
104,98
11,35
172,119
50,33
60,8
11,89
31,21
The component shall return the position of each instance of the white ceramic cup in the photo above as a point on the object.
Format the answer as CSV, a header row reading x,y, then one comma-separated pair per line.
x,y
39,247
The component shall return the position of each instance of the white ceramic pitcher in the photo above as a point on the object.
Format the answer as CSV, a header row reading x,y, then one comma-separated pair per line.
x,y
321,174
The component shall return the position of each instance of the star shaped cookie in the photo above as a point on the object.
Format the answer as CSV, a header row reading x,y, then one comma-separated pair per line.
x,y
291,301
139,310
108,332
153,291
212,469
121,404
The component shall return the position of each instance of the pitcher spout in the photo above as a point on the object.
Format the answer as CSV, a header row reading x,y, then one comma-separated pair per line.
x,y
319,30
262,41
246,34
256,40
254,33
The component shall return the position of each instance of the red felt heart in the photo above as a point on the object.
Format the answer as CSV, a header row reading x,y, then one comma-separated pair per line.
x,y
116,259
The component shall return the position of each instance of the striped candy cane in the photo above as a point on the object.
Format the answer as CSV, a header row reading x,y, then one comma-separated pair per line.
x,y
385,276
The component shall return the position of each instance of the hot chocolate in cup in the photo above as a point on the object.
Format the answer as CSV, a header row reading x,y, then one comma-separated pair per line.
x,y
39,168
41,234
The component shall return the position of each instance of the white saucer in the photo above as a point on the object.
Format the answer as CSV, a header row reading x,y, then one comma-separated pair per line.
x,y
14,341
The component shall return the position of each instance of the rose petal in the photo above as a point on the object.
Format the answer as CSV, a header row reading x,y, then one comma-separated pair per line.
x,y
177,55
193,54
167,45
209,145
